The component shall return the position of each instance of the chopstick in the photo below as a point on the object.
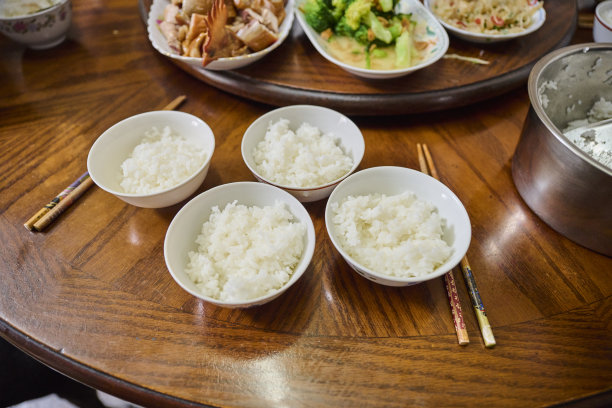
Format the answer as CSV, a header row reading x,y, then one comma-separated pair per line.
x,y
449,278
175,103
52,215
29,224
70,194
468,276
481,316
585,19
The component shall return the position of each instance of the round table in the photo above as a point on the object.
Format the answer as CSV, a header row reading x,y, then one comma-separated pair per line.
x,y
92,298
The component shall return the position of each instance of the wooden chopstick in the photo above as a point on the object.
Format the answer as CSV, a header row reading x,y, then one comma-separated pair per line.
x,y
175,103
52,215
70,194
481,316
585,20
427,167
468,276
29,224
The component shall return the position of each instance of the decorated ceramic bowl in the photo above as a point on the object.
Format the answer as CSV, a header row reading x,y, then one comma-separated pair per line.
x,y
40,29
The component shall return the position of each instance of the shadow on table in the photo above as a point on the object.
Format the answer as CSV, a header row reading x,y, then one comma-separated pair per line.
x,y
23,378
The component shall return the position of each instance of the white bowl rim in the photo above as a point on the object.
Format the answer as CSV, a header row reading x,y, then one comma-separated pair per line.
x,y
38,13
458,255
283,34
379,73
169,189
465,34
356,162
300,268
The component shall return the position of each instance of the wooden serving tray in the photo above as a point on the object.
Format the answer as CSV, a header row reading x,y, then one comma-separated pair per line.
x,y
296,73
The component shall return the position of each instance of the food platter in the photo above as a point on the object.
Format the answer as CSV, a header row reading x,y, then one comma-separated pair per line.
x,y
295,73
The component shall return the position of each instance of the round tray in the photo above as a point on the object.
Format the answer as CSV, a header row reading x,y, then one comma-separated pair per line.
x,y
296,73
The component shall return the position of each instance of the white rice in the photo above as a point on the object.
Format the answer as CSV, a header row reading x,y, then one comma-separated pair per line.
x,y
304,158
16,8
596,142
397,235
246,252
161,161
546,85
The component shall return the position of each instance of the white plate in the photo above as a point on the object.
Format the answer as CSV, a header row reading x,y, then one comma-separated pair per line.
x,y
538,21
421,14
160,44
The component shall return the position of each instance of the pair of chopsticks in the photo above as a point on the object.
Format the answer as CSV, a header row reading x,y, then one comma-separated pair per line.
x,y
70,194
427,166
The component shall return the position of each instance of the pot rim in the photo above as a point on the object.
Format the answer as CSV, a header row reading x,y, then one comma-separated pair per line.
x,y
532,89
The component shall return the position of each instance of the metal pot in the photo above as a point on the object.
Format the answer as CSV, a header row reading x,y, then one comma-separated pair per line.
x,y
568,189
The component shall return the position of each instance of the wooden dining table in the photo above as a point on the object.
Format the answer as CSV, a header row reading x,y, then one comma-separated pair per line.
x,y
91,297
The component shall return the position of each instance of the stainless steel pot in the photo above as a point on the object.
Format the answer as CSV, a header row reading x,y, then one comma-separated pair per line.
x,y
568,189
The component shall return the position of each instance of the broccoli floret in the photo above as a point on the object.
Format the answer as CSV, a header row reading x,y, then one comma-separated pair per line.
x,y
361,35
356,11
338,7
318,15
343,29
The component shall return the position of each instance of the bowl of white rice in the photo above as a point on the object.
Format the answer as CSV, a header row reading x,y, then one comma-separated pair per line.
x,y
240,244
306,150
153,159
397,226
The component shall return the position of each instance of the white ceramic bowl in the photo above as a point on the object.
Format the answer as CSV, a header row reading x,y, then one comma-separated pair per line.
x,y
328,121
432,32
602,22
539,19
187,225
43,29
222,64
396,180
116,144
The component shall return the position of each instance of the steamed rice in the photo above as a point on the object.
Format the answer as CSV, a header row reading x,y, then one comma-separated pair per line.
x,y
596,142
246,252
397,235
304,158
160,161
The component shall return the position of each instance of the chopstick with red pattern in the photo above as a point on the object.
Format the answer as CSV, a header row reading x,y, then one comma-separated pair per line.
x,y
468,276
449,278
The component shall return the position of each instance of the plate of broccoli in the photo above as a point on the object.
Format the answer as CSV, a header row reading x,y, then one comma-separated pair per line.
x,y
373,38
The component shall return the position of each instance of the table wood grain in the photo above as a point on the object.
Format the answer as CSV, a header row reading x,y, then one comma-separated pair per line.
x,y
297,73
92,298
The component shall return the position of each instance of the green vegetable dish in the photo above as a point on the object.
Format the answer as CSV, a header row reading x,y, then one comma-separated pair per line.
x,y
368,33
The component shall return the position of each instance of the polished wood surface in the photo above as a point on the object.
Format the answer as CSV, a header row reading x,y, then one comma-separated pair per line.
x,y
297,73
91,295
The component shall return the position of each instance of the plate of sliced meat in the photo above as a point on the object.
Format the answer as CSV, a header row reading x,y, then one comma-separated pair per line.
x,y
218,34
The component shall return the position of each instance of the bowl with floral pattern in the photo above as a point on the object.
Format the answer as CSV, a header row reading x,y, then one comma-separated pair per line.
x,y
38,24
